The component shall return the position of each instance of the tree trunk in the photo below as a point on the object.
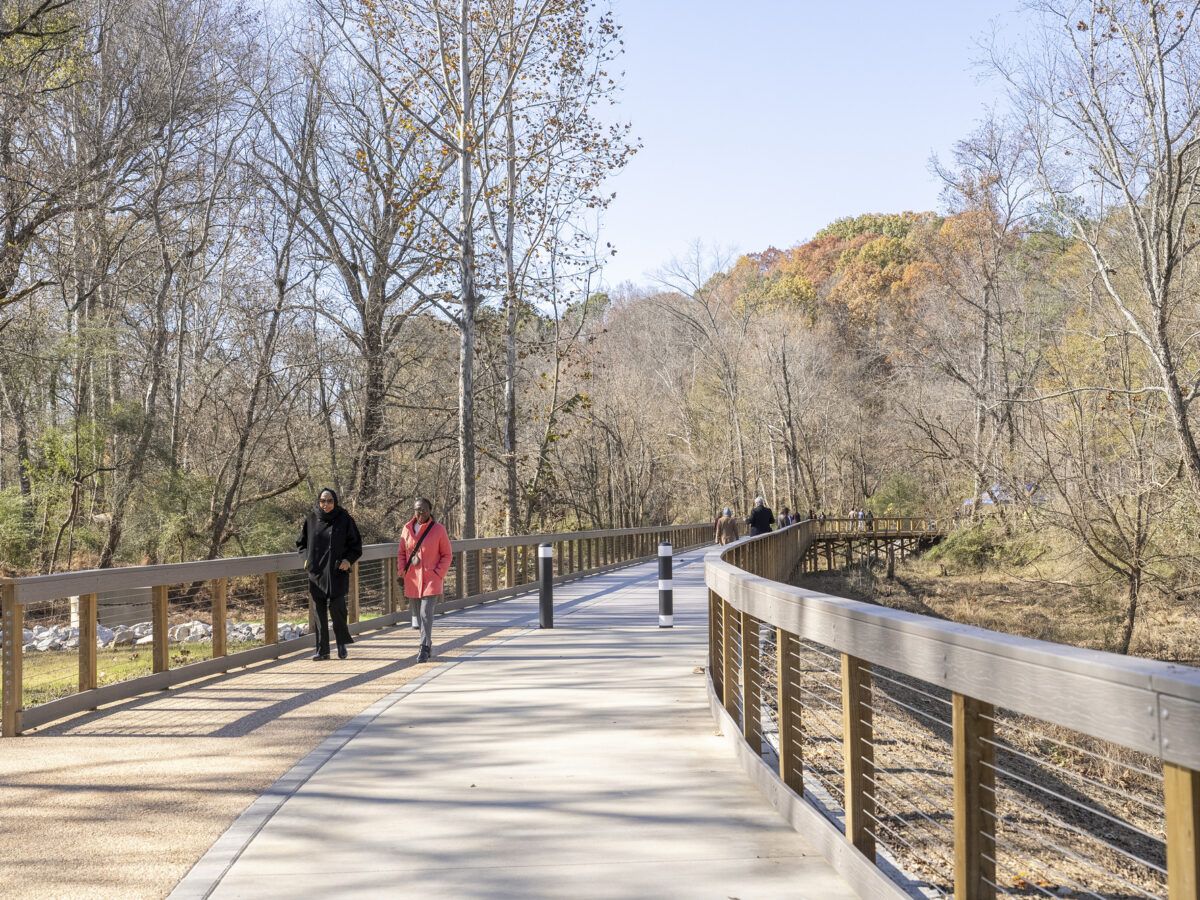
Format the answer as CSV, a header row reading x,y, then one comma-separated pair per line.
x,y
466,365
1135,588
512,509
125,486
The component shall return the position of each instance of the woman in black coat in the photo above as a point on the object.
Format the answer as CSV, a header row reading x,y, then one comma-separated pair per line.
x,y
331,543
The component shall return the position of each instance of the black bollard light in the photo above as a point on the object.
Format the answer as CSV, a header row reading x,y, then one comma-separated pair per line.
x,y
546,602
666,590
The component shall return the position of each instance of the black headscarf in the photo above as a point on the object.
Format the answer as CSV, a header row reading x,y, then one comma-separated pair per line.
x,y
334,513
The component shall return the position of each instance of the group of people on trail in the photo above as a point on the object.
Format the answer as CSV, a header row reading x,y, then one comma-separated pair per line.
x,y
331,544
760,520
866,518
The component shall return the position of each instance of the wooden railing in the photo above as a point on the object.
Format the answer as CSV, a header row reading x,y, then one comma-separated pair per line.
x,y
151,607
896,525
927,758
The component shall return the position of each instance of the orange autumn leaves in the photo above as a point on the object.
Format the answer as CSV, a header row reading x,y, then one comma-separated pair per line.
x,y
860,274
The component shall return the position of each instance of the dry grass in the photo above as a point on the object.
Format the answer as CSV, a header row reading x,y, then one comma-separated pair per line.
x,y
1029,602
1046,600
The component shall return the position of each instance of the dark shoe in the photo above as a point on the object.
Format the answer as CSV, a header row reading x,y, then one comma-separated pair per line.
x,y
342,654
320,656
424,655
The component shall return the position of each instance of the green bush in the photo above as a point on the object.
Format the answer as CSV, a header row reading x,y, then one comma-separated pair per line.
x,y
16,529
900,496
984,544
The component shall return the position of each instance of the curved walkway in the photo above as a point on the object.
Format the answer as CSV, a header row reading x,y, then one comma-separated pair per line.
x,y
580,761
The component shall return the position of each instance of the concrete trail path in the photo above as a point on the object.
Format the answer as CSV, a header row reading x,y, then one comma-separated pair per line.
x,y
579,761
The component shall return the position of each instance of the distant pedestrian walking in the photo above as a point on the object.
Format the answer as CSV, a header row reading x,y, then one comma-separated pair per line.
x,y
761,518
331,543
423,560
727,528
785,518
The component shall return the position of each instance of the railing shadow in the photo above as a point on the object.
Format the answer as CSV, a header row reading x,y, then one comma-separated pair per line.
x,y
137,717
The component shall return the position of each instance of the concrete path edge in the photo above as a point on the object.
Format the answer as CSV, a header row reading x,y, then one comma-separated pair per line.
x,y
211,868
864,877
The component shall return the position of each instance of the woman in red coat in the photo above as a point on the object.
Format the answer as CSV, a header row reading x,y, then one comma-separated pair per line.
x,y
423,560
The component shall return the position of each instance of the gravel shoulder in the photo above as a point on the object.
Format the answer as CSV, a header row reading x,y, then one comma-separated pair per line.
x,y
121,802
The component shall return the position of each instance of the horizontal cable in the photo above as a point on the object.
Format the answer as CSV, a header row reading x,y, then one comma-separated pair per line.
x,y
890,717
832,729
836,792
1075,803
924,776
1061,876
1100,756
915,852
817,696
1012,823
883,785
1045,764
914,710
939,765
879,676
814,647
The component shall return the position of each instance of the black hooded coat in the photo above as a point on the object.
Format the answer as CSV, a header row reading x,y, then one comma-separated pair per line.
x,y
326,538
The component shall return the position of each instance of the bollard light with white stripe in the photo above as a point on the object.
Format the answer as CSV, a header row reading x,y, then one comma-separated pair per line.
x,y
546,600
666,591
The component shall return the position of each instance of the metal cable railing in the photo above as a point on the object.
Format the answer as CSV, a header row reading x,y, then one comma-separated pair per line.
x,y
959,762
73,641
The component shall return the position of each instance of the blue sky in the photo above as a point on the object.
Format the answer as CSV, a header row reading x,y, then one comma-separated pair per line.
x,y
765,120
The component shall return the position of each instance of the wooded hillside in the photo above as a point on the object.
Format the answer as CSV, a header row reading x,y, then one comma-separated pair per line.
x,y
354,246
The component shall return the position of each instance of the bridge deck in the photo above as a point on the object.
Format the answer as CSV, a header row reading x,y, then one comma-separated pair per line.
x,y
579,761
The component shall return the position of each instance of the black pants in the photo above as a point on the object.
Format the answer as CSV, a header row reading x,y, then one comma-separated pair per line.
x,y
327,606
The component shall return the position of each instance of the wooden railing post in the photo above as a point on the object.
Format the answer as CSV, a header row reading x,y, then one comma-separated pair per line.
x,y
729,672
352,597
389,585
791,753
271,608
220,589
14,644
715,651
510,566
858,754
158,624
1181,789
974,799
87,642
495,562
751,685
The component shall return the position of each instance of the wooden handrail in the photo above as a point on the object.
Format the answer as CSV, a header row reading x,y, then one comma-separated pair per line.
x,y
1148,706
586,552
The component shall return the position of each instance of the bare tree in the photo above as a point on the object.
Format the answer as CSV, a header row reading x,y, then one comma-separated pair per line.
x,y
1112,97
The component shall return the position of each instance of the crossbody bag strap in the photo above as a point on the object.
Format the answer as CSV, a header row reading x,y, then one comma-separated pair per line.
x,y
417,546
